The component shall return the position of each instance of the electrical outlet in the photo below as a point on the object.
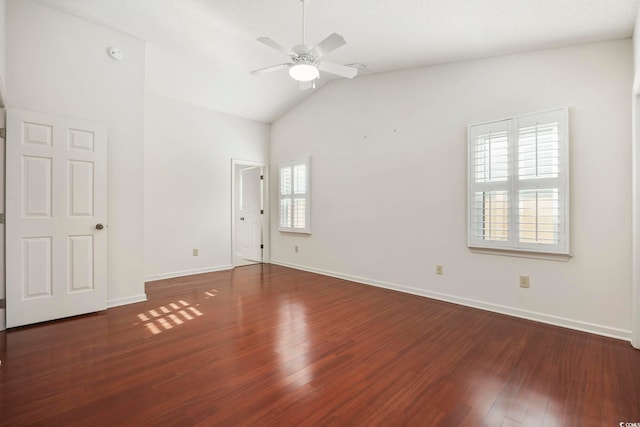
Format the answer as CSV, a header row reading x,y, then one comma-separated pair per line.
x,y
295,249
439,270
195,252
524,281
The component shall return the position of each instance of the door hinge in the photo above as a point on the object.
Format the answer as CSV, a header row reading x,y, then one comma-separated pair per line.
x,y
261,176
261,246
3,133
3,303
1,218
261,211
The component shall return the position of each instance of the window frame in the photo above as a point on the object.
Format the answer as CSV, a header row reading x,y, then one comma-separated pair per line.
x,y
513,186
306,162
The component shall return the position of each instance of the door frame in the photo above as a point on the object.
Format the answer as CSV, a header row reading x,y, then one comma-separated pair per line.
x,y
265,205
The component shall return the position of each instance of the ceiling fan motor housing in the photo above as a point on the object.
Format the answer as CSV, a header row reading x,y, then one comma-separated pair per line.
x,y
301,49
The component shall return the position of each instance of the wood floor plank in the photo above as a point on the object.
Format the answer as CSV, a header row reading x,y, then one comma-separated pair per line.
x,y
268,345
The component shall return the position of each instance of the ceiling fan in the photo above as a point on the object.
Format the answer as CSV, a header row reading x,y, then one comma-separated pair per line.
x,y
306,64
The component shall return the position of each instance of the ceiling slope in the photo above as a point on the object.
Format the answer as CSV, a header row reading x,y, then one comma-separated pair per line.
x,y
201,51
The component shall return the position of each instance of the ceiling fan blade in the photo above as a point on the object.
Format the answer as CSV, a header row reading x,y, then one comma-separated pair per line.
x,y
275,45
271,68
327,45
337,69
307,85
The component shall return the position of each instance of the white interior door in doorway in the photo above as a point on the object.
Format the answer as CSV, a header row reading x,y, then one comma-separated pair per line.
x,y
249,237
56,211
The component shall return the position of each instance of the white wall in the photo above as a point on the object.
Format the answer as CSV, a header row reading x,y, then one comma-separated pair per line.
x,y
635,294
188,152
636,53
2,104
3,50
3,311
389,182
636,187
58,64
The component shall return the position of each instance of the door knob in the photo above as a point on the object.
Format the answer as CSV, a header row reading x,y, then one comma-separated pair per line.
x,y
99,226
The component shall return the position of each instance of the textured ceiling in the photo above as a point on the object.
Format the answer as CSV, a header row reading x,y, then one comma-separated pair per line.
x,y
201,51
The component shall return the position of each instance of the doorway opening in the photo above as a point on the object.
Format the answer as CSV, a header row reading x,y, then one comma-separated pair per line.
x,y
249,213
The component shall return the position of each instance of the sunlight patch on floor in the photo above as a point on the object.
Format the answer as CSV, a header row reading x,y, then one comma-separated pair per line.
x,y
168,316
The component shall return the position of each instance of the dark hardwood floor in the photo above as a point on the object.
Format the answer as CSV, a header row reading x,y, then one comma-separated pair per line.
x,y
267,345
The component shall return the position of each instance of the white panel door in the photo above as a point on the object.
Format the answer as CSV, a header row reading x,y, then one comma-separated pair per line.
x,y
250,225
56,212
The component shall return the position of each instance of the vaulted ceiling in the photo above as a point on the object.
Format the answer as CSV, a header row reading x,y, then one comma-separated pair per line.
x,y
201,51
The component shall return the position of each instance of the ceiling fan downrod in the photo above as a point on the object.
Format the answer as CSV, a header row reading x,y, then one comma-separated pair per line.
x,y
303,21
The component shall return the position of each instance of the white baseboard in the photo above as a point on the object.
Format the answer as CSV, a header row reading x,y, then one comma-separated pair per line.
x,y
173,274
496,308
127,300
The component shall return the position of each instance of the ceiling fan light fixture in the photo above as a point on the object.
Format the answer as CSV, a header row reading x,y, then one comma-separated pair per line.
x,y
304,72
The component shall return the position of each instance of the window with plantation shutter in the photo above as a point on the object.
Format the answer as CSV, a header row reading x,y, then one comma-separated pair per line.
x,y
519,183
295,212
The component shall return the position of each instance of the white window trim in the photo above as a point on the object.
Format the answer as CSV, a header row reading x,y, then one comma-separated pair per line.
x,y
513,247
290,164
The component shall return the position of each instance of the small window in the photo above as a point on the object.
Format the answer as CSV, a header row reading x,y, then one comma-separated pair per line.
x,y
295,196
519,183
